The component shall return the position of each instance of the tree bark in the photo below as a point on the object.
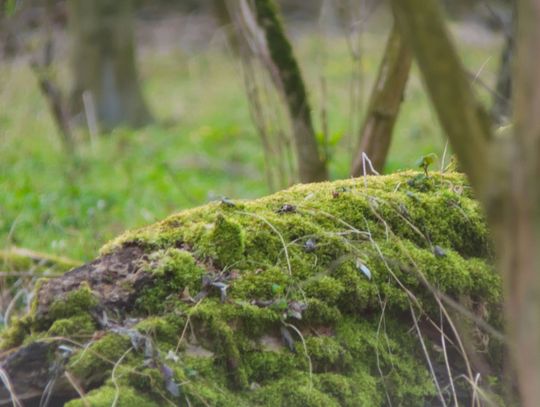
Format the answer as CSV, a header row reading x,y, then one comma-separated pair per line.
x,y
504,170
311,167
103,62
386,98
462,117
501,111
519,240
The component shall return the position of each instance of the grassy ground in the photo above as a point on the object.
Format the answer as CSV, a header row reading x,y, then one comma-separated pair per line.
x,y
203,146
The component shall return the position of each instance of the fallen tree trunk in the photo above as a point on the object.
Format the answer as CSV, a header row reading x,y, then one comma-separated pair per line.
x,y
335,294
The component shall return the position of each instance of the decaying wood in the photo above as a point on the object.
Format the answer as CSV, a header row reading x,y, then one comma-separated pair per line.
x,y
115,280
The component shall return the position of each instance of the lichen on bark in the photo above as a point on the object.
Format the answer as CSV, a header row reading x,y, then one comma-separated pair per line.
x,y
301,298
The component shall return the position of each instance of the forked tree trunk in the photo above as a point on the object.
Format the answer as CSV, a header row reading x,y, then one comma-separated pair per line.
x,y
311,167
503,170
386,97
103,60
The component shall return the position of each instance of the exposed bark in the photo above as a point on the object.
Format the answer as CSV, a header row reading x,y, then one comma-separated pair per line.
x,y
103,58
310,165
30,370
386,98
519,240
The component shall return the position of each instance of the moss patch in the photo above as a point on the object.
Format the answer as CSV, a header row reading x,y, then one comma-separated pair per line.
x,y
106,395
302,298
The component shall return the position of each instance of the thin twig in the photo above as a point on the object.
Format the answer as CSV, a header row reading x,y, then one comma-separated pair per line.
x,y
113,378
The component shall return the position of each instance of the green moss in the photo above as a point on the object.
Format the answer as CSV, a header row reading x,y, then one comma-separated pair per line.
x,y
327,355
228,241
75,327
94,364
146,379
233,352
262,284
357,390
222,339
396,356
105,396
318,312
16,333
164,330
325,287
77,302
248,319
174,270
293,391
264,366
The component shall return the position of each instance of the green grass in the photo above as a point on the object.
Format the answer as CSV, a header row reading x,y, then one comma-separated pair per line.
x,y
203,145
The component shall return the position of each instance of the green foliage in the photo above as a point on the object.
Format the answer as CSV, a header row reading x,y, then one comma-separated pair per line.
x,y
10,7
130,179
71,205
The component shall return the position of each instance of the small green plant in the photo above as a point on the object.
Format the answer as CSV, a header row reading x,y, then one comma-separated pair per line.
x,y
425,161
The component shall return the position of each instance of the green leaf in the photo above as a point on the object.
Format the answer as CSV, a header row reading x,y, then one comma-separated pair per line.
x,y
9,7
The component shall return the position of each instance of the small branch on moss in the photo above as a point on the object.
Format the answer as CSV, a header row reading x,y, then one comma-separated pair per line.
x,y
310,365
14,254
74,383
426,354
113,378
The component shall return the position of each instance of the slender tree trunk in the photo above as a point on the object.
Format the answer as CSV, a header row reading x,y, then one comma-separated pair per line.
x,y
501,109
310,165
462,117
103,58
386,97
520,238
504,170
224,19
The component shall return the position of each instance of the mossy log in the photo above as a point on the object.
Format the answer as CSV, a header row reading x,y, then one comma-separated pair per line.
x,y
321,295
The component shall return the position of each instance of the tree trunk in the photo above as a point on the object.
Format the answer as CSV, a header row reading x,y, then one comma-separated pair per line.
x,y
501,111
103,61
504,170
225,21
462,117
386,98
310,165
519,240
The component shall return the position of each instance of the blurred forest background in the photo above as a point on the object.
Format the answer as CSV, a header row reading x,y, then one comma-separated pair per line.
x,y
206,120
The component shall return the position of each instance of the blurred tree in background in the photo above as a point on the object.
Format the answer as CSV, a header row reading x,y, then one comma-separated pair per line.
x,y
104,64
